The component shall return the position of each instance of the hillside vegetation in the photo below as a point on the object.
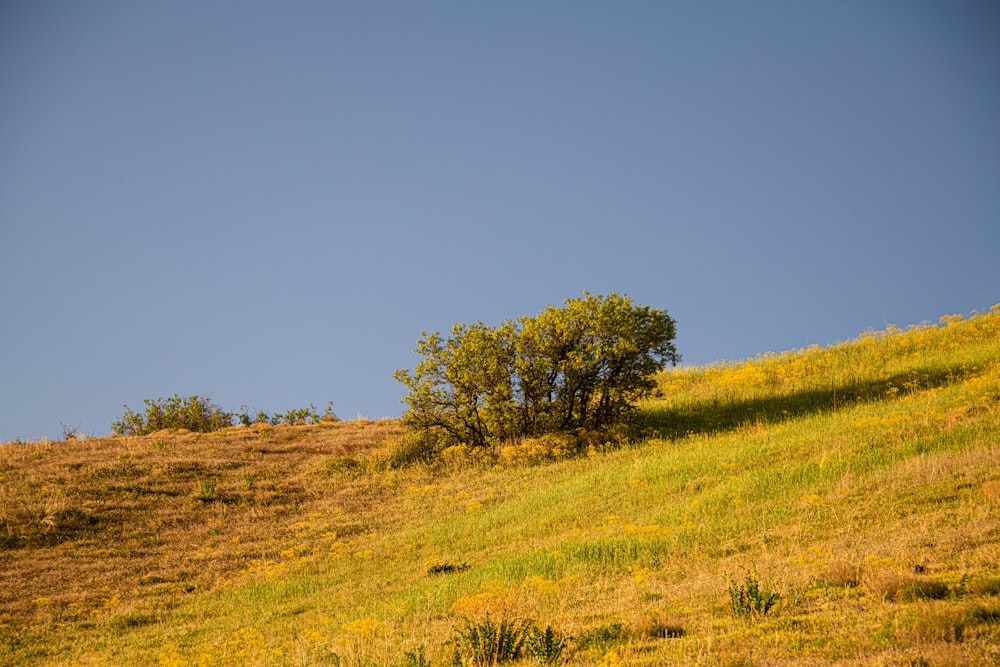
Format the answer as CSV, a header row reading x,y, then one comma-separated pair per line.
x,y
825,506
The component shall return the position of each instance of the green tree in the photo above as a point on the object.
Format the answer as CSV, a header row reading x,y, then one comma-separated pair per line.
x,y
579,366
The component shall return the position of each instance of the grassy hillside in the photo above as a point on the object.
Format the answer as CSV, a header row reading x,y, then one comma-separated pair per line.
x,y
859,484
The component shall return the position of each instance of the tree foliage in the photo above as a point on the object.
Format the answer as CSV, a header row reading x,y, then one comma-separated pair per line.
x,y
195,413
579,366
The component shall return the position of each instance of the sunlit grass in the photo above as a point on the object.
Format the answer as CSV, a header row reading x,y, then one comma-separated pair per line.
x,y
859,482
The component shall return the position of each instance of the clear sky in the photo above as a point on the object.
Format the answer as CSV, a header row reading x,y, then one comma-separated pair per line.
x,y
269,201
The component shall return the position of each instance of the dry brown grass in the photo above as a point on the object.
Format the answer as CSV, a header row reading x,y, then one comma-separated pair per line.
x,y
83,523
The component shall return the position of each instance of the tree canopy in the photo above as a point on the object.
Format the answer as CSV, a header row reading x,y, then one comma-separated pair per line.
x,y
579,366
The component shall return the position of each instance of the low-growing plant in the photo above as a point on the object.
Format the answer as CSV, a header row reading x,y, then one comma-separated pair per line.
x,y
413,447
983,586
749,598
247,419
981,614
934,624
71,432
342,464
923,588
438,566
546,646
537,450
657,625
961,588
416,659
485,642
194,413
668,631
905,588
206,490
603,636
294,416
201,415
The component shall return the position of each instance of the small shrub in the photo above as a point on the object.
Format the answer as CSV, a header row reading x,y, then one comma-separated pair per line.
x,y
201,415
247,420
438,566
294,416
305,415
484,643
71,432
546,646
195,413
961,588
603,636
749,599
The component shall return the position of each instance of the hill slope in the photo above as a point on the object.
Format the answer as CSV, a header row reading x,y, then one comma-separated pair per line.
x,y
860,483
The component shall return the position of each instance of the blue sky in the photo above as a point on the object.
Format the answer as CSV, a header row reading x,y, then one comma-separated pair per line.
x,y
269,201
